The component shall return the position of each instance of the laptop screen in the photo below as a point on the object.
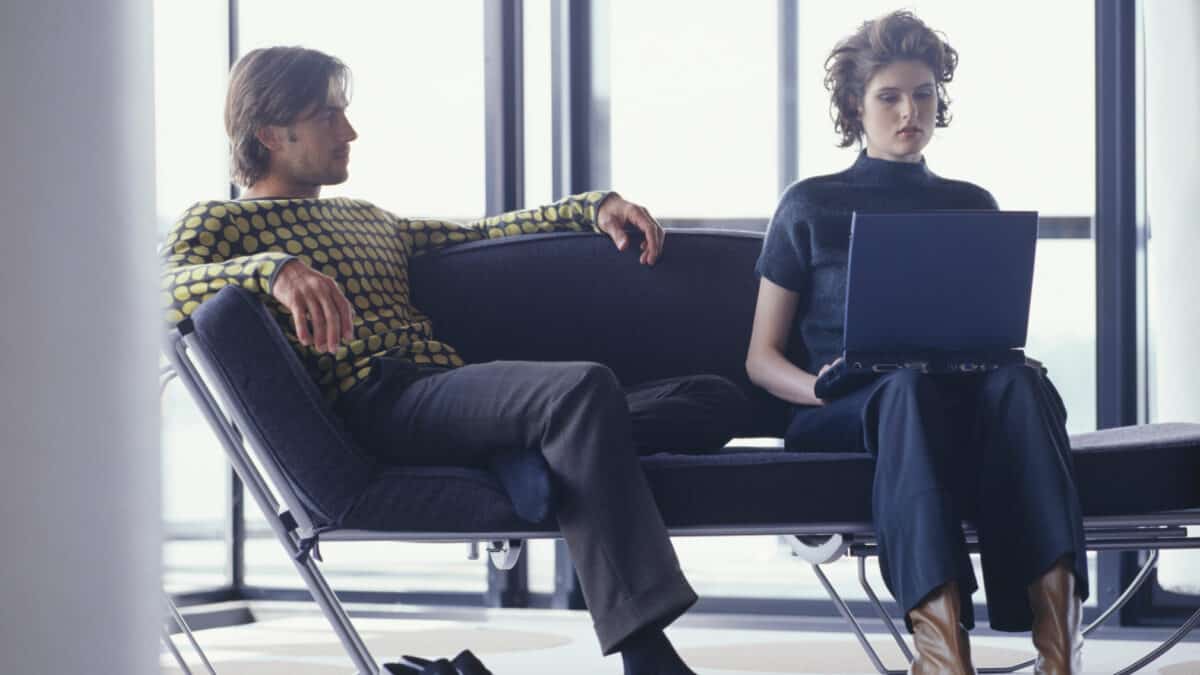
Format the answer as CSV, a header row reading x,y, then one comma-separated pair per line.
x,y
939,280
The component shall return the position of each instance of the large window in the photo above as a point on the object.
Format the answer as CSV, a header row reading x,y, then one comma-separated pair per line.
x,y
190,64
417,97
1023,124
690,98
693,106
695,134
539,158
417,104
1172,242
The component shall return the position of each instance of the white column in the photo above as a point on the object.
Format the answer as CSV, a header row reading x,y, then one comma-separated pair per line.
x,y
1173,199
79,465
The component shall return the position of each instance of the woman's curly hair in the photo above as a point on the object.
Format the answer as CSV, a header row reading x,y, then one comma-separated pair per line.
x,y
899,36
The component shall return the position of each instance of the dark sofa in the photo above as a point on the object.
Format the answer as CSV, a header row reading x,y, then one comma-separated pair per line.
x,y
573,297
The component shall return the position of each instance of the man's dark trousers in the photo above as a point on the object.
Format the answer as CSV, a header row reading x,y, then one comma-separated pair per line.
x,y
995,442
578,416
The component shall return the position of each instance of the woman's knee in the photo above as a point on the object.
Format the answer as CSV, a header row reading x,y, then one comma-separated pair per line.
x,y
906,419
908,383
1016,378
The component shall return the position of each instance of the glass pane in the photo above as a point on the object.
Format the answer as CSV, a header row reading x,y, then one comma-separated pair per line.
x,y
1168,54
540,556
417,104
1062,324
693,106
539,167
195,476
190,64
1177,570
417,94
1001,97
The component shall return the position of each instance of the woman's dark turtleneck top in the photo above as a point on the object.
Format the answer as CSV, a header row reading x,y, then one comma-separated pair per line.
x,y
808,240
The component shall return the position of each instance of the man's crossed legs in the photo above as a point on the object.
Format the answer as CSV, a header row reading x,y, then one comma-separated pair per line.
x,y
584,424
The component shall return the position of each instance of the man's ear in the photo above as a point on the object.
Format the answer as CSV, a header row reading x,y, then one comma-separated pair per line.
x,y
270,136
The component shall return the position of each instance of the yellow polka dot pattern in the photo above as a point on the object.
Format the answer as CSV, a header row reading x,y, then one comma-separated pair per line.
x,y
364,248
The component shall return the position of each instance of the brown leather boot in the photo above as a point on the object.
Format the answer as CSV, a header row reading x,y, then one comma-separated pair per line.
x,y
1057,613
941,640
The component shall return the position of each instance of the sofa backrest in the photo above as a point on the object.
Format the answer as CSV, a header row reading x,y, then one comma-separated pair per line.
x,y
569,297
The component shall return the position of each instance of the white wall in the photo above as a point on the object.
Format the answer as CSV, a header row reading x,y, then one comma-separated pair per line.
x,y
79,502
1173,199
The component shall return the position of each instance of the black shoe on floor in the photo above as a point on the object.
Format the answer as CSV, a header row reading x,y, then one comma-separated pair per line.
x,y
418,666
467,664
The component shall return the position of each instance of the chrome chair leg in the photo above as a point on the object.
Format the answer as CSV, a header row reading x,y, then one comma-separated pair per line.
x,y
179,620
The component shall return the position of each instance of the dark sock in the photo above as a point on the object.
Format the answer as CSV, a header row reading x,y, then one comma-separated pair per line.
x,y
525,477
649,652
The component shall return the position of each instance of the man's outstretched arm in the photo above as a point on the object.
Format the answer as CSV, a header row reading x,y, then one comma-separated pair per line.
x,y
203,254
206,251
605,212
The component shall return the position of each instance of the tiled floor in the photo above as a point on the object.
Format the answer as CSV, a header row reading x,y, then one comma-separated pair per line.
x,y
544,642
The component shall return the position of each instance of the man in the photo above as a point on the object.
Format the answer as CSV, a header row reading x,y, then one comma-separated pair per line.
x,y
334,272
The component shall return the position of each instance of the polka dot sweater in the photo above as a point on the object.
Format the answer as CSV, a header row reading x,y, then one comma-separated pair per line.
x,y
362,247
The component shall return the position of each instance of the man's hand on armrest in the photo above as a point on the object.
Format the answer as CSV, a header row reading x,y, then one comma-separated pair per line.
x,y
315,299
616,215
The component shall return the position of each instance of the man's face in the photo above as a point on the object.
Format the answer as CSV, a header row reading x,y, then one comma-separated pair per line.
x,y
898,111
315,149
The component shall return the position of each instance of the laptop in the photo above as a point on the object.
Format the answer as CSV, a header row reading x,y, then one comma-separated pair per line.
x,y
934,291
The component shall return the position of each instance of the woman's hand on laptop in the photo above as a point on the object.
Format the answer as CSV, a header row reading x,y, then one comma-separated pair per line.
x,y
827,366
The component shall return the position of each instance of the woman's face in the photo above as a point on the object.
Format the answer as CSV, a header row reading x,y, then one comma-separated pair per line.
x,y
898,111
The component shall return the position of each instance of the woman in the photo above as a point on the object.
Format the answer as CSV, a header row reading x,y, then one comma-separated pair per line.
x,y
992,446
